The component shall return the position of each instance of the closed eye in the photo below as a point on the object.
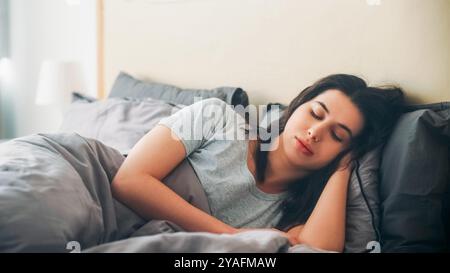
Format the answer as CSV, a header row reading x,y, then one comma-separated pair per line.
x,y
315,116
333,134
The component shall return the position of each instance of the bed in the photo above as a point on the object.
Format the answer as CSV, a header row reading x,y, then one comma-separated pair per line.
x,y
55,188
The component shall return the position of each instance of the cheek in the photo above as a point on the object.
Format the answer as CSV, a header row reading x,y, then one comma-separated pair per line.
x,y
298,121
328,152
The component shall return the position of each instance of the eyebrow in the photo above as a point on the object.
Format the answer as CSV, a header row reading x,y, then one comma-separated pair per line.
x,y
340,124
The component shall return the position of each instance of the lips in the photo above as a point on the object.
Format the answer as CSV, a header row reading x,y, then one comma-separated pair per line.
x,y
304,148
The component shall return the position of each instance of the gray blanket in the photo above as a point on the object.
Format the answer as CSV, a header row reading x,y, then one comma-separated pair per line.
x,y
55,197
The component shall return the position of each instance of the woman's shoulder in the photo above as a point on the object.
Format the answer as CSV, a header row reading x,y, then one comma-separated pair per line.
x,y
215,107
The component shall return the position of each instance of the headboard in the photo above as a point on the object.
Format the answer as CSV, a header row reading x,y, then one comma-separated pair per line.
x,y
273,49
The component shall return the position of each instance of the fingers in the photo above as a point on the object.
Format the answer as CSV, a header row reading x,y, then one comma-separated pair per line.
x,y
346,163
292,239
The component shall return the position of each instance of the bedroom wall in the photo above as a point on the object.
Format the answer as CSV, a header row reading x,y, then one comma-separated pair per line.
x,y
274,48
44,29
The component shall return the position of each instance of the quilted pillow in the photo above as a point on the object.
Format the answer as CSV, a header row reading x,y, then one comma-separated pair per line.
x,y
128,86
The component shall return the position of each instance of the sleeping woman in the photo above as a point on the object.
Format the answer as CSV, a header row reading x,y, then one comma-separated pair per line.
x,y
298,187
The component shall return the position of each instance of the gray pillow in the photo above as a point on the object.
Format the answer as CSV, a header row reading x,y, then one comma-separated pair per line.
x,y
415,182
363,204
127,86
117,122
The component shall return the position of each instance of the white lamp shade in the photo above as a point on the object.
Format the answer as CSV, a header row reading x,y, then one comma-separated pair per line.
x,y
56,82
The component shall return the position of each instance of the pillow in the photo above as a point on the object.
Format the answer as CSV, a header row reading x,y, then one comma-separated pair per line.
x,y
76,96
363,204
127,86
117,122
415,181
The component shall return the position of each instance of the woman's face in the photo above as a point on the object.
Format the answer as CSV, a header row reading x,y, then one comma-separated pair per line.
x,y
325,125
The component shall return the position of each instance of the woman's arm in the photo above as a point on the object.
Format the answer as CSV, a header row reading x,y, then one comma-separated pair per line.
x,y
325,227
138,185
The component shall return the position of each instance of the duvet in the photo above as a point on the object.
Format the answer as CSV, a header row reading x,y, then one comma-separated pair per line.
x,y
55,197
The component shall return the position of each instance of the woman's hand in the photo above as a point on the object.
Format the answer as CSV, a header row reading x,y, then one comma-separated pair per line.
x,y
346,163
293,240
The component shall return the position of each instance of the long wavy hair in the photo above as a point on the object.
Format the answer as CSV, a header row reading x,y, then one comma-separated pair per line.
x,y
380,107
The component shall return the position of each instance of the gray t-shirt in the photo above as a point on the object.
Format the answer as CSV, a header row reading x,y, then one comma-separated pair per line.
x,y
213,135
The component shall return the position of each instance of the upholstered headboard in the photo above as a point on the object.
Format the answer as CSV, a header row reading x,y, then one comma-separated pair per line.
x,y
273,49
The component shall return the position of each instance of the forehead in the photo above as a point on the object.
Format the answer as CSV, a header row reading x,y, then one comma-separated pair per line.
x,y
342,109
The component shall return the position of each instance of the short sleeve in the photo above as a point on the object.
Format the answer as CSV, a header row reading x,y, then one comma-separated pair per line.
x,y
203,122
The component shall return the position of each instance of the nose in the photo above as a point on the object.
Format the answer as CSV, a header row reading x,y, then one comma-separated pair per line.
x,y
314,133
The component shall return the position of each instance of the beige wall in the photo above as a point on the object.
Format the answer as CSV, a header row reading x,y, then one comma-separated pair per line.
x,y
275,48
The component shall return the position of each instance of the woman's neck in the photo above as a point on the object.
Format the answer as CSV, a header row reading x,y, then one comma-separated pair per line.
x,y
279,170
